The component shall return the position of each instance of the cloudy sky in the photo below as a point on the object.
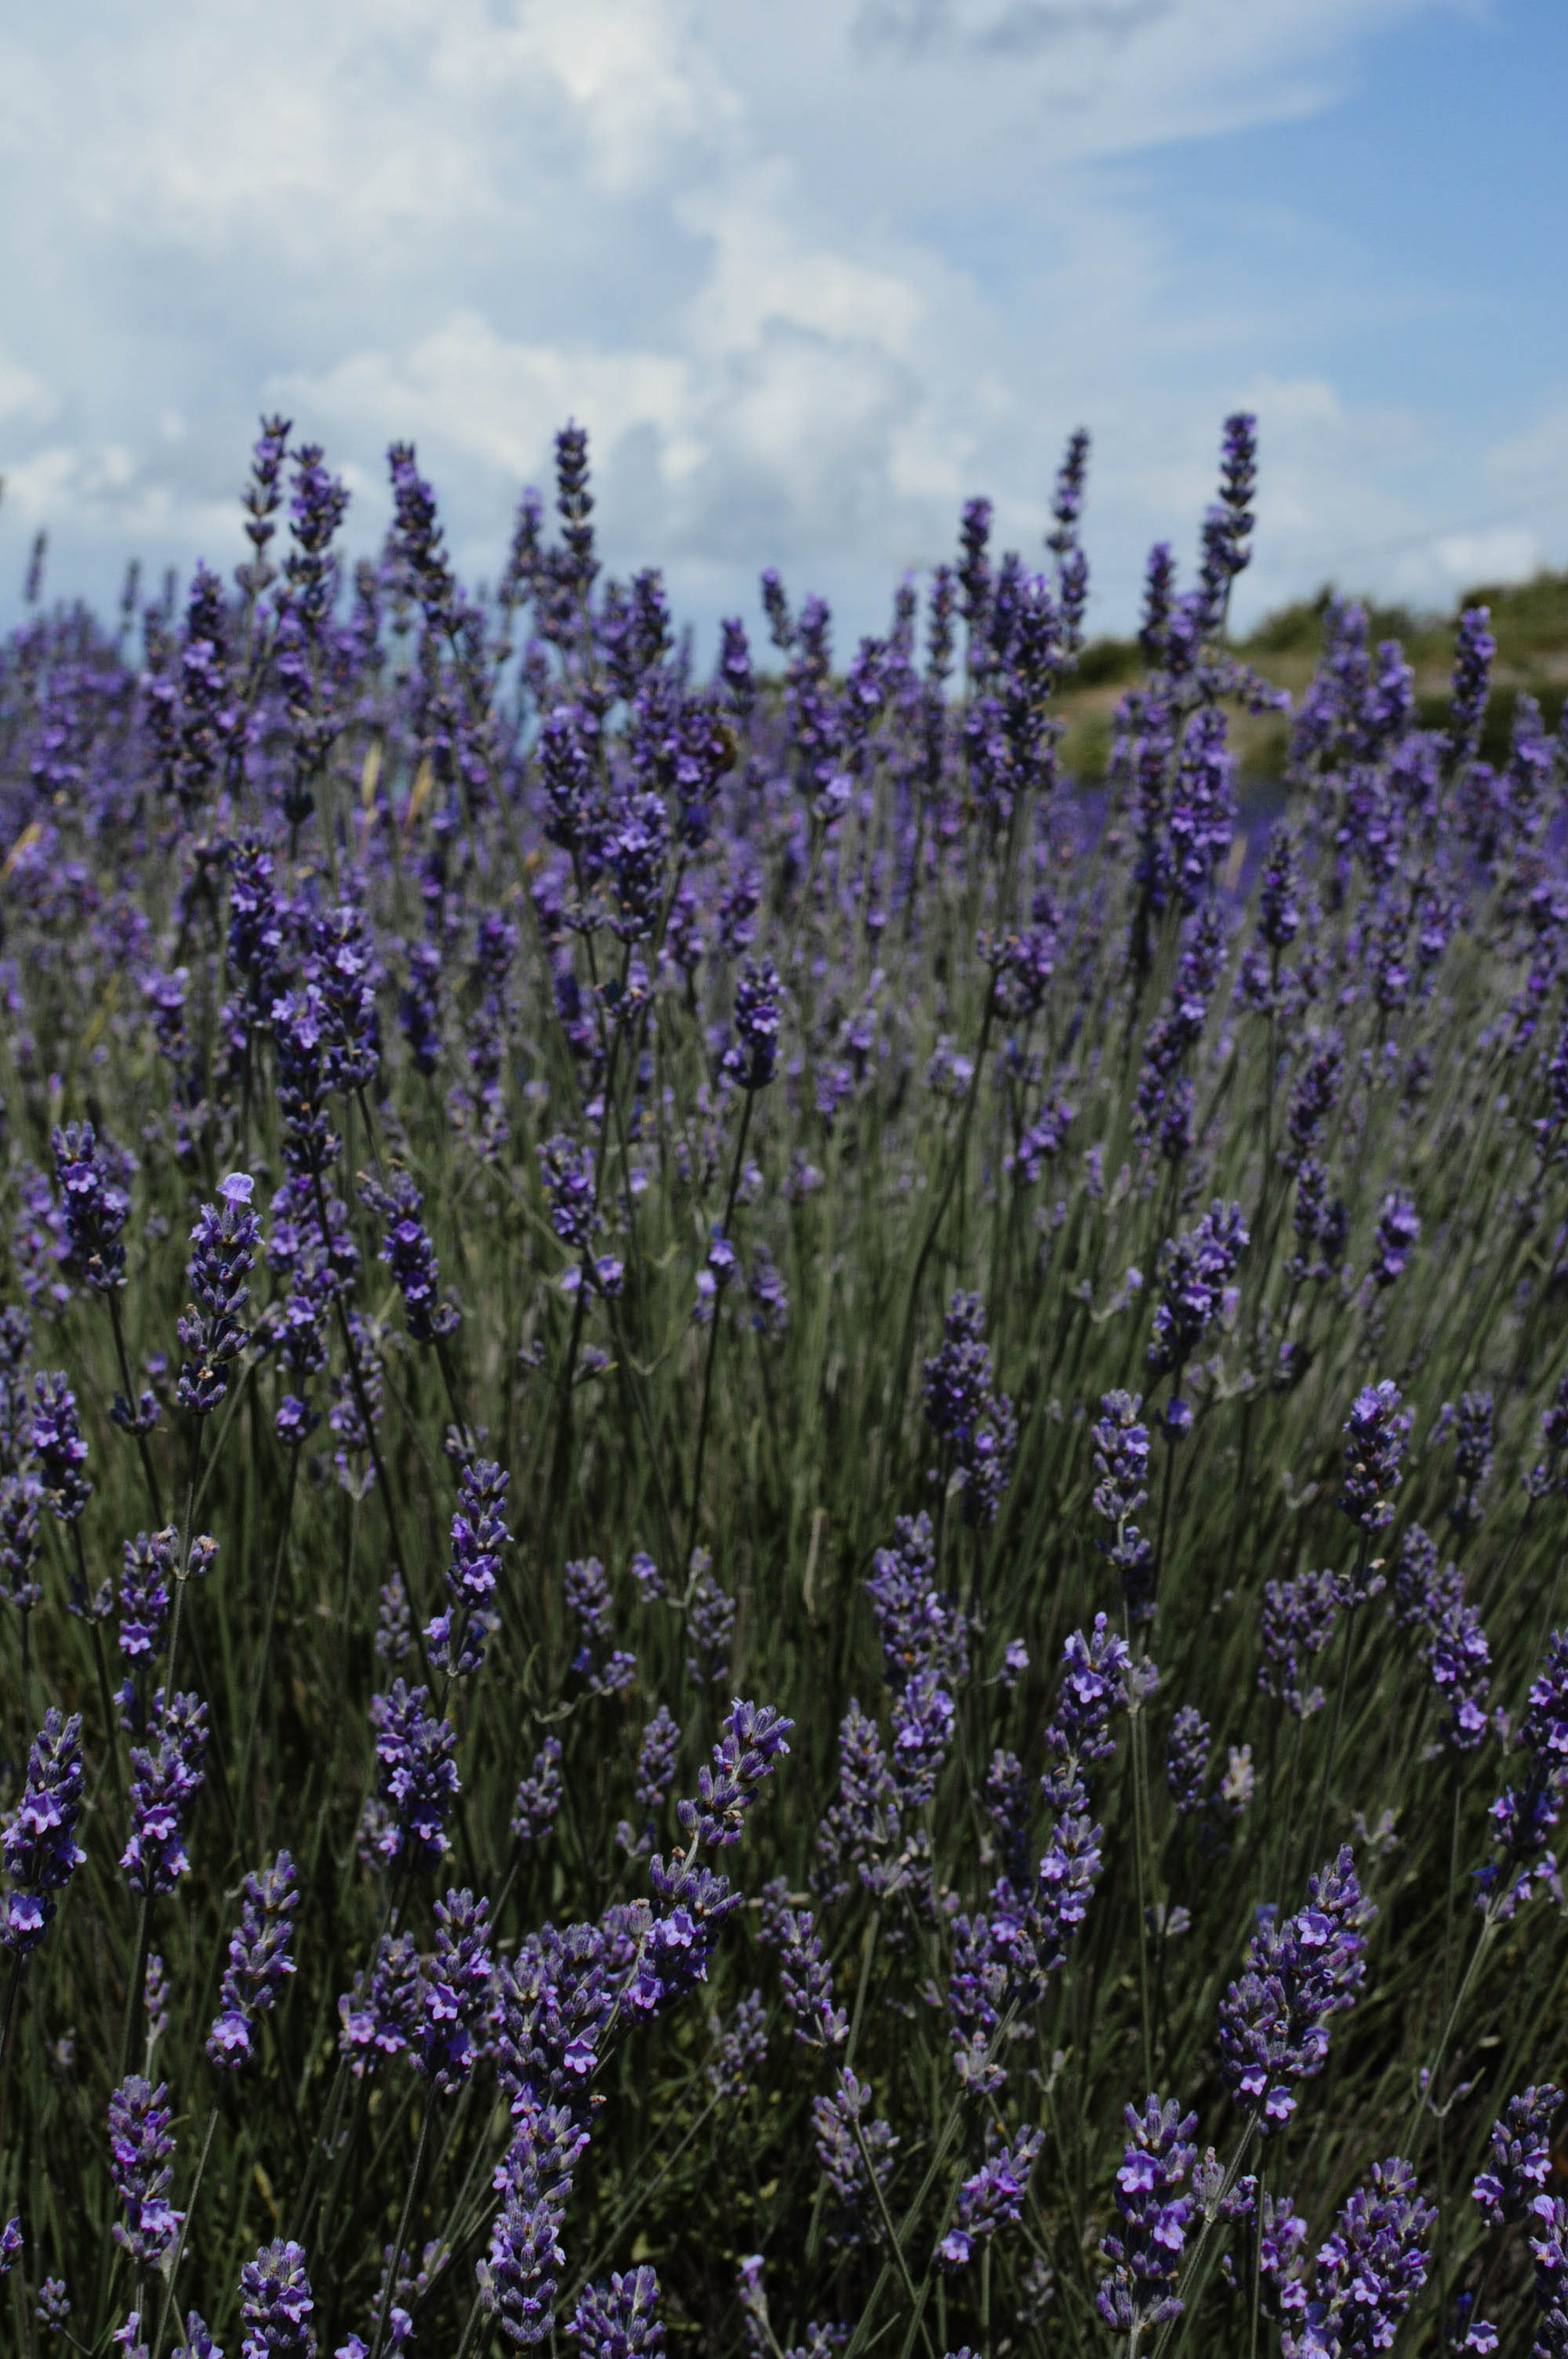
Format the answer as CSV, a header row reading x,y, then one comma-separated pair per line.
x,y
811,272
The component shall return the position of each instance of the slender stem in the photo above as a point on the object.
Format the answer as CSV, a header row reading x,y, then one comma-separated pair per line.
x,y
401,2237
169,2305
713,1333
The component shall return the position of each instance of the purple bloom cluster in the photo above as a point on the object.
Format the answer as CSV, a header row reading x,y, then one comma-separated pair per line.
x,y
37,1843
408,1254
1376,1433
1524,1815
1273,2022
1121,1466
1194,1274
1145,2250
139,2151
275,2304
96,1207
458,1638
166,1775
259,1961
619,2319
971,1422
418,1777
991,2198
1520,2167
226,1241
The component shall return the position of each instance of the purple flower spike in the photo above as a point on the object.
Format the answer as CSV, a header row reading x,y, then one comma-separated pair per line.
x,y
226,1244
753,1743
419,1776
56,1439
1145,2251
621,2320
139,2151
751,1060
1368,2271
1376,1432
96,1207
275,2304
166,1772
1274,2022
1521,2168
992,2198
38,1843
259,1961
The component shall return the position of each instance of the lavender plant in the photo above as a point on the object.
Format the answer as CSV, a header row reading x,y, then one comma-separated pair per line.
x,y
581,1572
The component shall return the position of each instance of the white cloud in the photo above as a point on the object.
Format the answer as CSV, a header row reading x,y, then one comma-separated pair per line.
x,y
810,276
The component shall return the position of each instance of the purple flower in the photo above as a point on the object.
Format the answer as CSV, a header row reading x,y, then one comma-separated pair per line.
x,y
95,1205
921,1629
539,1795
1521,2168
1122,1464
1273,2022
150,1566
380,2015
656,1776
1474,650
275,2304
10,2246
259,1961
1376,1432
992,2198
301,1038
1186,1760
1399,1228
166,1774
211,1329
1094,1684
418,1777
517,2280
1368,2271
805,1980
620,2319
407,1253
741,2049
753,1739
1525,1815
1314,1098
457,1998
751,1060
1194,1272
842,2160
1145,2251
1472,1457
567,1171
479,1532
139,2151
57,1440
38,1842
20,1540
976,1424
607,1671
1298,1618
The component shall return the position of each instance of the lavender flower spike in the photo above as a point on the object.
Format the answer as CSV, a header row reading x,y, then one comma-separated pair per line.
x,y
259,1961
38,1844
1145,2251
1274,2022
621,2320
139,2151
275,2304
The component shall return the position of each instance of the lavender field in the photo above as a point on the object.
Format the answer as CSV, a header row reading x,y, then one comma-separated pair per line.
x,y
781,1500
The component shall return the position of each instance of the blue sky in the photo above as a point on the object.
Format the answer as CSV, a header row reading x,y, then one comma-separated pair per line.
x,y
811,271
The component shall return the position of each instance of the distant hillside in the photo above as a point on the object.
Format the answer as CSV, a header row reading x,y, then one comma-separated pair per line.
x,y
1529,623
